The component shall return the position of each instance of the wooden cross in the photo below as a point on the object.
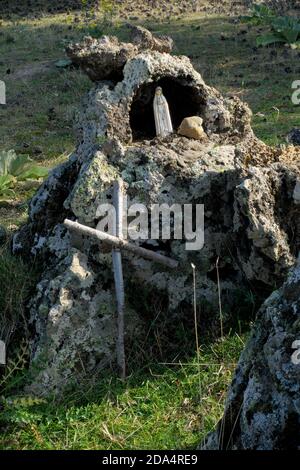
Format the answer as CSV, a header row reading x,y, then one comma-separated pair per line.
x,y
118,243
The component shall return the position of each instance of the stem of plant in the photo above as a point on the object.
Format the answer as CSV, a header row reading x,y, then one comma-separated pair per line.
x,y
222,425
219,296
196,327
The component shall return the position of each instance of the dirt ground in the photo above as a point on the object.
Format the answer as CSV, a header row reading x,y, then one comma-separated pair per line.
x,y
130,8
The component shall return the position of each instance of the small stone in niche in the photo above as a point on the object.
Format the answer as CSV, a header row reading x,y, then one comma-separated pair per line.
x,y
192,127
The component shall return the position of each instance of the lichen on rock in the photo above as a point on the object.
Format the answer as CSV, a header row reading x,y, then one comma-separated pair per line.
x,y
248,189
262,411
105,58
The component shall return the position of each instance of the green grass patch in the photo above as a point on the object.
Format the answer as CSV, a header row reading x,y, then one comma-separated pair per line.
x,y
16,281
160,407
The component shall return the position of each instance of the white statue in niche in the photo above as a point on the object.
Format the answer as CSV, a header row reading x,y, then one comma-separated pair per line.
x,y
163,123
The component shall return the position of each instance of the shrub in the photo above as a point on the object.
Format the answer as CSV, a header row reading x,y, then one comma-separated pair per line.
x,y
284,30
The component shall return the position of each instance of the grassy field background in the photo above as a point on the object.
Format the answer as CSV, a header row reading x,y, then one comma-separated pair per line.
x,y
161,406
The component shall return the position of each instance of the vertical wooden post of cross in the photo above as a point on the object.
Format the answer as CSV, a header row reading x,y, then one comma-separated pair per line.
x,y
118,243
118,194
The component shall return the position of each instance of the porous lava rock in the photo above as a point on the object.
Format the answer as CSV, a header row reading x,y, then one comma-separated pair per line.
x,y
249,192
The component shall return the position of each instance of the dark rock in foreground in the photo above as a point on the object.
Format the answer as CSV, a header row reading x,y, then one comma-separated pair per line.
x,y
293,137
263,406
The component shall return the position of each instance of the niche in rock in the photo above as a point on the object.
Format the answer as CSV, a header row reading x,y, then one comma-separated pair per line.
x,y
184,100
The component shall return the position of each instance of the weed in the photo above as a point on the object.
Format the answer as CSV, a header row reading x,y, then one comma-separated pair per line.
x,y
284,30
260,14
14,168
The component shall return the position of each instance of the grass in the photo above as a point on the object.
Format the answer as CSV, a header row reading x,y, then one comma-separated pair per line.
x,y
16,281
159,405
156,408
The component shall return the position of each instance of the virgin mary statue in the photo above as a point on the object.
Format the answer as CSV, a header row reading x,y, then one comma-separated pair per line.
x,y
163,123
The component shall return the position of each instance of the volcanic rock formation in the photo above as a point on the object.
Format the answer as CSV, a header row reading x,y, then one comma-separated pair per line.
x,y
248,190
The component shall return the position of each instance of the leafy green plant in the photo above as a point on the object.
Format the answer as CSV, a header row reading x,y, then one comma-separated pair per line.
x,y
285,30
260,14
16,368
14,168
6,182
18,410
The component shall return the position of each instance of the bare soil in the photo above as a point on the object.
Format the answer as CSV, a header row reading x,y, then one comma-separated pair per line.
x,y
139,8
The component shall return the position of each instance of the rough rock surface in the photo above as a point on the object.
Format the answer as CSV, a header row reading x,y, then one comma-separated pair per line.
x,y
293,136
251,213
144,39
104,58
192,127
123,109
72,310
263,404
